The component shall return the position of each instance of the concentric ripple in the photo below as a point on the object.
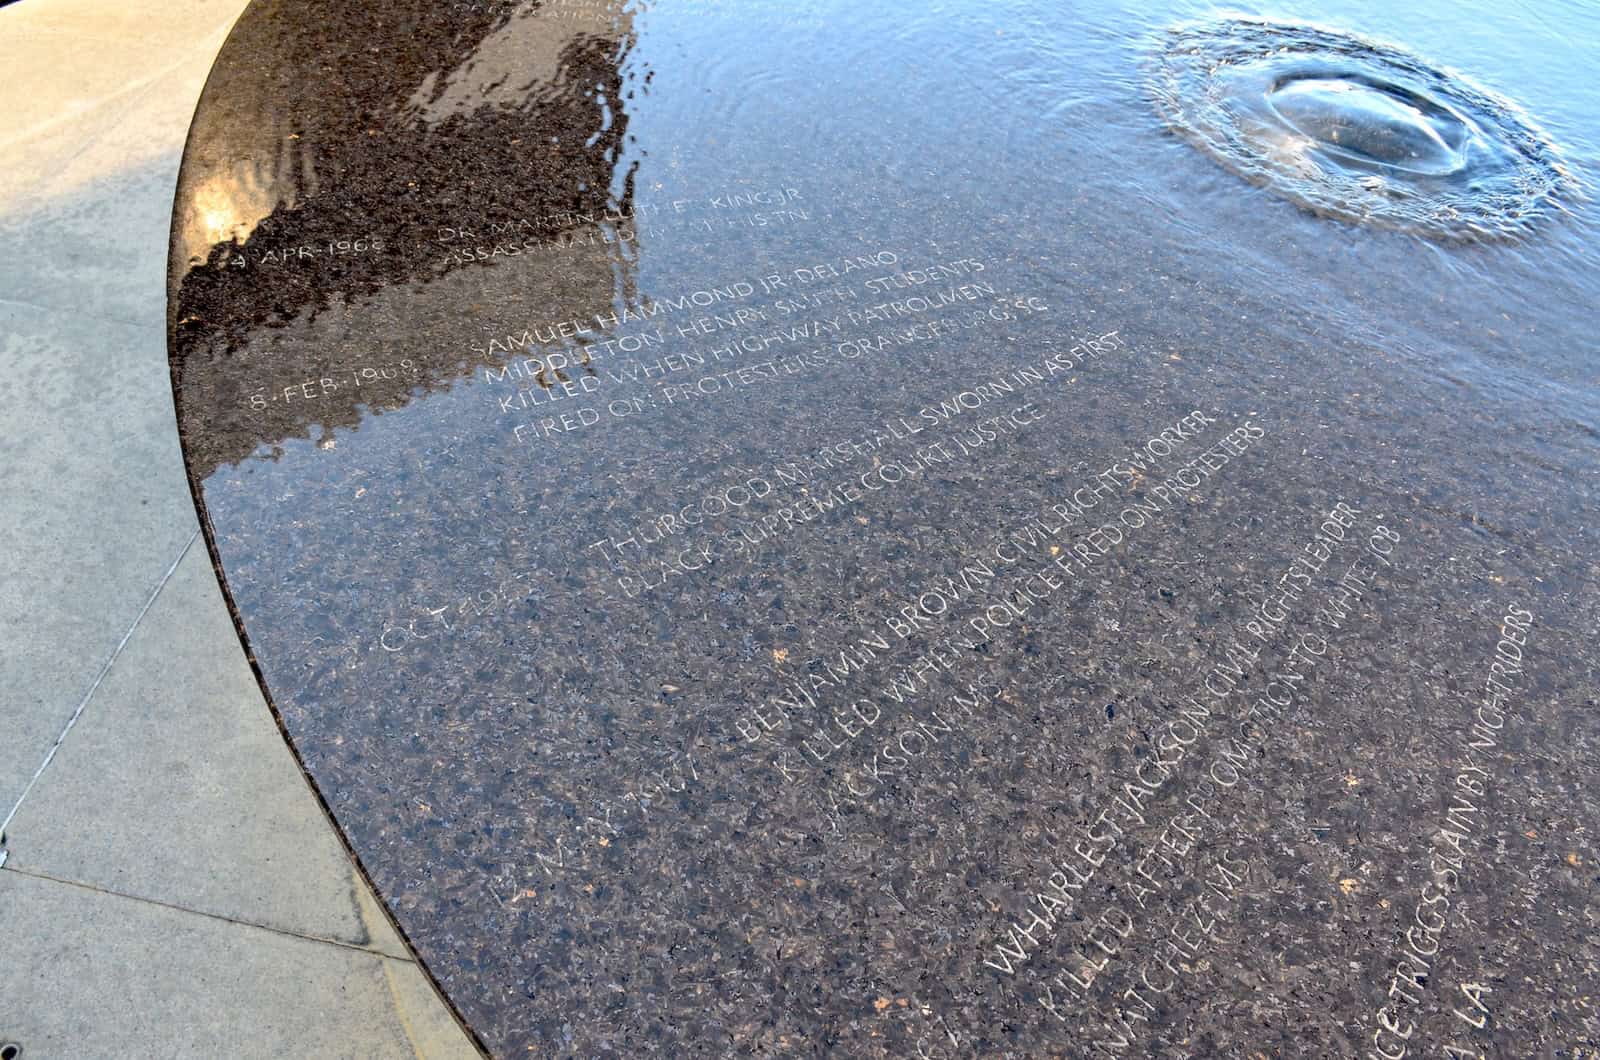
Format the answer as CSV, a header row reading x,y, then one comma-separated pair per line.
x,y
1357,130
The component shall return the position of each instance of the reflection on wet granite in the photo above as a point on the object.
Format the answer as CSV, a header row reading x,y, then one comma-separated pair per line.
x,y
326,165
769,547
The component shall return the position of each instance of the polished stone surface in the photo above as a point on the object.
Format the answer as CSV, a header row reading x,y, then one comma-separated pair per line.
x,y
169,885
764,546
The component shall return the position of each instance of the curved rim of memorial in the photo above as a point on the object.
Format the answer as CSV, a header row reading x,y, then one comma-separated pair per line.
x,y
1357,129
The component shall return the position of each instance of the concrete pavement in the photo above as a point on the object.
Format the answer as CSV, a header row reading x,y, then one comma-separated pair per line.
x,y
170,886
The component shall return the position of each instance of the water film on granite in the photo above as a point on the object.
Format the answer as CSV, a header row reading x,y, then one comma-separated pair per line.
x,y
832,529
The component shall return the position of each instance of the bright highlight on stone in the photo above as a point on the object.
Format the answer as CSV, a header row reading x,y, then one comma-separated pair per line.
x,y
1380,124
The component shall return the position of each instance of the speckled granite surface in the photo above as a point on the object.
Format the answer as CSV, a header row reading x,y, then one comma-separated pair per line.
x,y
767,547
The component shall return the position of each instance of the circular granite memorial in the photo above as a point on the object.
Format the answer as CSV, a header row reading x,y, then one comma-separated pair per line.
x,y
829,529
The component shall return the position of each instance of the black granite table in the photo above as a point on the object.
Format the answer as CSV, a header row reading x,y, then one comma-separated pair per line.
x,y
797,529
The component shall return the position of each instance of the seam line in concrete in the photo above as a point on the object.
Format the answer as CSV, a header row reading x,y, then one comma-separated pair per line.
x,y
135,325
94,687
320,939
400,1013
42,128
